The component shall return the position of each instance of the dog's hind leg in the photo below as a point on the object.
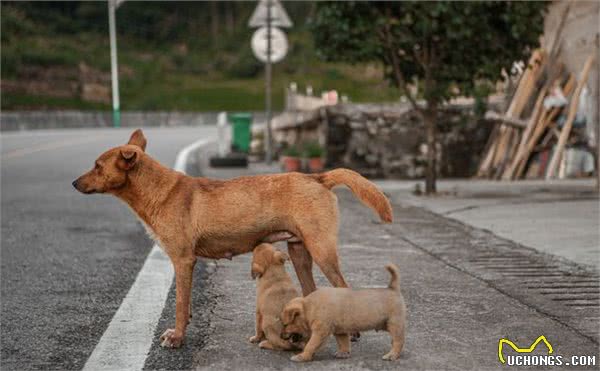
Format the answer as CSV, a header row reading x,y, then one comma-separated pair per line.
x,y
396,330
343,346
302,262
325,255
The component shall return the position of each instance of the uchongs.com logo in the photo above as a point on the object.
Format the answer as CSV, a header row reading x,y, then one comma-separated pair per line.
x,y
525,358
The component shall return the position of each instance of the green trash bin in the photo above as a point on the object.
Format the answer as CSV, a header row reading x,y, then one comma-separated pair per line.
x,y
241,123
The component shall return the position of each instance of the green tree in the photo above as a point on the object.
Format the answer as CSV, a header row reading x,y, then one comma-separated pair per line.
x,y
450,48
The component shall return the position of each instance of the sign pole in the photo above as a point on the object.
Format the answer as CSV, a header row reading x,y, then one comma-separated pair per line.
x,y
112,7
269,149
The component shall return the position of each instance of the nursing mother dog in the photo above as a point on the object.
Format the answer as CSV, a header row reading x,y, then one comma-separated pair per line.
x,y
190,217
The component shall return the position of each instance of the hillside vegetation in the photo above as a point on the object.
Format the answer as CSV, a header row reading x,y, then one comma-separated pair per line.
x,y
172,56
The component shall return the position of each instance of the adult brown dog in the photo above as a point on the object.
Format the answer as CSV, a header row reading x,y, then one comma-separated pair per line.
x,y
191,217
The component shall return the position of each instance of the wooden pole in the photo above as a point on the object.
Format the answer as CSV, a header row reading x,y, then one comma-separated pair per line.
x,y
566,130
546,118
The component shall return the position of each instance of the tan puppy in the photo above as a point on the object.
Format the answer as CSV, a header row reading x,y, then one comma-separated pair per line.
x,y
192,217
341,311
273,291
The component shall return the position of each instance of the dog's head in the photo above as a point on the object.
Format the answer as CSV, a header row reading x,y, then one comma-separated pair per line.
x,y
111,168
295,326
263,256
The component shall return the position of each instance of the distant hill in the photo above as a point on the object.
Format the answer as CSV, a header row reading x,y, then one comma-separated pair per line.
x,y
172,55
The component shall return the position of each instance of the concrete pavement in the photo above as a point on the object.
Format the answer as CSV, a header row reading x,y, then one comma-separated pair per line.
x,y
458,308
68,260
556,217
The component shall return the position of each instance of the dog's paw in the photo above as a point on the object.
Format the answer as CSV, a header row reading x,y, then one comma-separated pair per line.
x,y
342,355
171,339
300,358
265,344
254,339
391,356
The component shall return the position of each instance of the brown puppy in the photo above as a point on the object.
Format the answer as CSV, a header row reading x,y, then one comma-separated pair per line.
x,y
341,311
273,291
192,217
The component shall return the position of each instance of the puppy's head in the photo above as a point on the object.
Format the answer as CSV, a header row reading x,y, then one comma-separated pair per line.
x,y
294,322
264,256
111,168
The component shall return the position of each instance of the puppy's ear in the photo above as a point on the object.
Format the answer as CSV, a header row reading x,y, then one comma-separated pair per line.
x,y
292,311
137,139
257,271
280,257
129,158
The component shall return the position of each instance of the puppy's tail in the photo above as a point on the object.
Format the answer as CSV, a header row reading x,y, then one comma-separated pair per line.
x,y
362,188
395,281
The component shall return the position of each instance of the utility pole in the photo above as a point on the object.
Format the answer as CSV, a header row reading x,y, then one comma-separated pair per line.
x,y
269,45
112,8
269,149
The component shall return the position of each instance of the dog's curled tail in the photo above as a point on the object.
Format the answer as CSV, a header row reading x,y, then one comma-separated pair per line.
x,y
362,188
395,280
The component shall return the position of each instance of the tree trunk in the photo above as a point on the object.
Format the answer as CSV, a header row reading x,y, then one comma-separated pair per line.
x,y
430,117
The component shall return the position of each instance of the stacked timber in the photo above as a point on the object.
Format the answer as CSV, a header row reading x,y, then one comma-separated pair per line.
x,y
530,124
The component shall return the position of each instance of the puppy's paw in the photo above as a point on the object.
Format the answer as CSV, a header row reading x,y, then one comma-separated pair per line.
x,y
265,344
391,356
342,355
255,339
171,339
300,358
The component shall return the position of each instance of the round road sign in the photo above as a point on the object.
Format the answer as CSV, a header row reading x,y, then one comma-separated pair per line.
x,y
279,44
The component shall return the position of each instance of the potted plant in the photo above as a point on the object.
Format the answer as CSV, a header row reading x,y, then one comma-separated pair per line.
x,y
313,151
290,159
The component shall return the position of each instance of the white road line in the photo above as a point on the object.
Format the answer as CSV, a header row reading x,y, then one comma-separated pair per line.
x,y
127,340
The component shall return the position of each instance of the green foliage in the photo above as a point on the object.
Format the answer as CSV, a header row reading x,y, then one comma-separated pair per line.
x,y
169,57
291,151
446,45
313,149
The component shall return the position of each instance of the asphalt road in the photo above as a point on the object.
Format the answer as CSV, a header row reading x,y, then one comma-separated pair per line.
x,y
67,259
465,288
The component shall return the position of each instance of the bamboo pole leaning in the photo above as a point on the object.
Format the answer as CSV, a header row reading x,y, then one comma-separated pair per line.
x,y
547,118
566,130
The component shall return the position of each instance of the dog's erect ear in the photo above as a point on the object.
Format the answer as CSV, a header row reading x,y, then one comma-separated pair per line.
x,y
257,271
138,139
130,158
280,257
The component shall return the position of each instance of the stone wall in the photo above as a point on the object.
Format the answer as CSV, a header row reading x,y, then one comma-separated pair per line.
x,y
389,141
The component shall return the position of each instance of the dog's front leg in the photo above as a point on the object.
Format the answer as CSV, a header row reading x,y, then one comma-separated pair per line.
x,y
319,334
184,269
259,334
